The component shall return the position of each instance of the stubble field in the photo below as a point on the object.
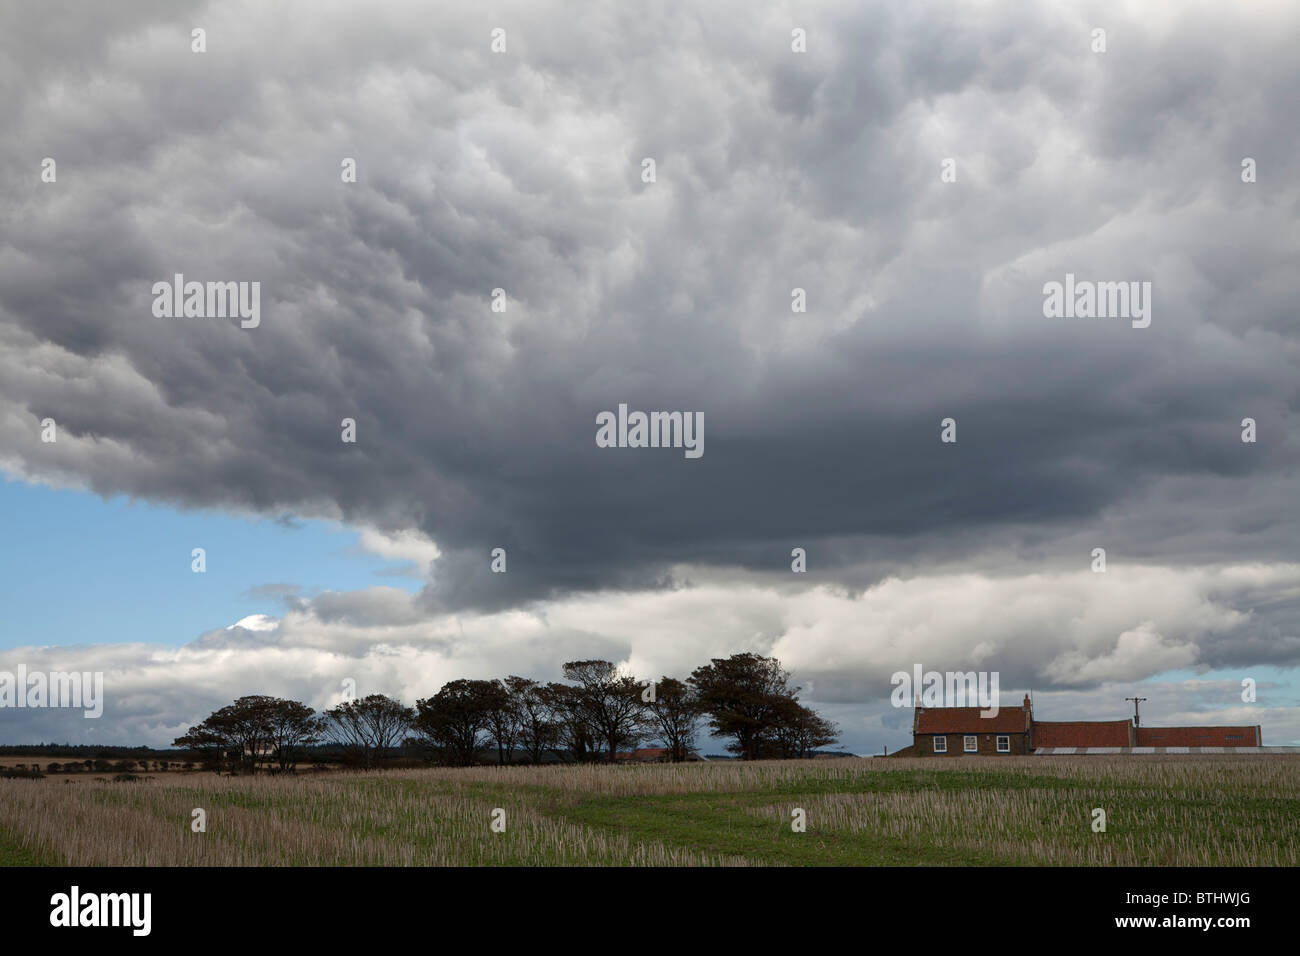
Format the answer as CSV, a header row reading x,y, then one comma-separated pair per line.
x,y
1160,811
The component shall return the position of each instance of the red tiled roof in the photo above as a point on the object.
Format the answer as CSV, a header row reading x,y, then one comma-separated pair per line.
x,y
967,720
1081,733
1197,737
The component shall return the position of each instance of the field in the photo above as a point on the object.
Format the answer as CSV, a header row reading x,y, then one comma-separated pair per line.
x,y
1160,811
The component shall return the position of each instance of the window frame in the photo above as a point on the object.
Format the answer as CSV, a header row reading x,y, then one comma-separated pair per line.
x,y
940,744
1007,739
970,743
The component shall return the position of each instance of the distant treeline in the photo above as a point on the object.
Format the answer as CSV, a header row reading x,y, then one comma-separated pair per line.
x,y
129,760
93,751
595,715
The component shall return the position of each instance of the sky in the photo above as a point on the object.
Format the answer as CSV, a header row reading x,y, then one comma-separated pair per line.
x,y
919,170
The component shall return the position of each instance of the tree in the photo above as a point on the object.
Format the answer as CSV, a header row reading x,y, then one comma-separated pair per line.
x,y
814,731
536,729
744,696
293,725
369,726
244,726
454,718
798,731
673,716
608,702
504,722
205,743
572,731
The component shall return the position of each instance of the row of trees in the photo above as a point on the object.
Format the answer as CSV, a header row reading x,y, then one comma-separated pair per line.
x,y
114,766
597,713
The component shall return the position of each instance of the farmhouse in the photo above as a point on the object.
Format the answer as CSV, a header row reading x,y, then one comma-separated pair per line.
x,y
958,731
953,731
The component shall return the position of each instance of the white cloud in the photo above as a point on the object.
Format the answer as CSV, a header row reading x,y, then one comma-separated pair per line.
x,y
255,622
407,545
1138,653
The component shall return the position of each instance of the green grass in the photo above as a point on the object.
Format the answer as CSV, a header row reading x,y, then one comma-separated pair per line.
x,y
12,853
718,824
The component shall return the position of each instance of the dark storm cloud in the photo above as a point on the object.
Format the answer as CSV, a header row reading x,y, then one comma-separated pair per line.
x,y
775,170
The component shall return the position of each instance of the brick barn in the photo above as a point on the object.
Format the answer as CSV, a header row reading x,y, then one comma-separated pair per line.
x,y
958,731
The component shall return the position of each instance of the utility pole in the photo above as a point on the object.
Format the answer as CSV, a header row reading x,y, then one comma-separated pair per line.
x,y
1137,719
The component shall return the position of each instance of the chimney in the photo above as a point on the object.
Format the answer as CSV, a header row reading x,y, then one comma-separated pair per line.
x,y
1028,705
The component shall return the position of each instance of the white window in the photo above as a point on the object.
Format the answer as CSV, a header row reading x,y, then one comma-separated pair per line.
x,y
941,745
1004,744
971,745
